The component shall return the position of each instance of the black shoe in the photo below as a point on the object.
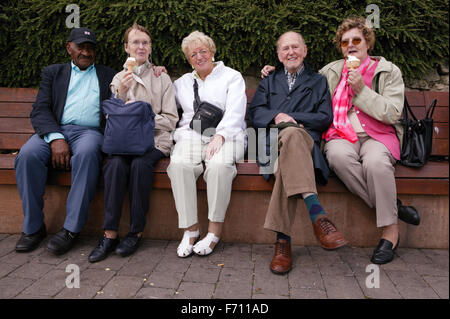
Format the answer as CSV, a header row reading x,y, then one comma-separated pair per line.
x,y
104,247
30,242
62,241
408,214
384,252
129,245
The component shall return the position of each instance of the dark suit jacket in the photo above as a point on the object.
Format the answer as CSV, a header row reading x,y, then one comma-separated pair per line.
x,y
308,102
49,106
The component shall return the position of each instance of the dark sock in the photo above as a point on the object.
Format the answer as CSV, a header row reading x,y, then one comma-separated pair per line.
x,y
314,207
283,236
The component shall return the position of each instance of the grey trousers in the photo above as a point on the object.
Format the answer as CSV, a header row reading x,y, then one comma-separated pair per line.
x,y
186,166
367,169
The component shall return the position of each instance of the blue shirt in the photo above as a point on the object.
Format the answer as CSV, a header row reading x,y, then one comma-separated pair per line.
x,y
83,101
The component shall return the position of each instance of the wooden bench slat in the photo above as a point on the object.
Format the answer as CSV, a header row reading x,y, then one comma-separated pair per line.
x,y
9,109
441,97
415,98
13,141
18,94
15,125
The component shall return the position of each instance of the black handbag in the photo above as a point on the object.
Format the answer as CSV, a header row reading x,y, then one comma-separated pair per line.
x,y
417,137
209,115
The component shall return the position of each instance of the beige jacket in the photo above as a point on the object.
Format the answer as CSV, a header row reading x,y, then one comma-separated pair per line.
x,y
387,106
158,91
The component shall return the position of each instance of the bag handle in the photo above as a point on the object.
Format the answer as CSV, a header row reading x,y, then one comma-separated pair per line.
x,y
196,97
408,109
431,108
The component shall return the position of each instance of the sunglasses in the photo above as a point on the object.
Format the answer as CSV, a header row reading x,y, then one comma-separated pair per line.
x,y
355,41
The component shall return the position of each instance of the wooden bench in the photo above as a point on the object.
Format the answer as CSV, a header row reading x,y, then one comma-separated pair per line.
x,y
426,188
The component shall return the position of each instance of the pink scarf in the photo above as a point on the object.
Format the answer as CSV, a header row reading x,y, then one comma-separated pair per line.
x,y
342,97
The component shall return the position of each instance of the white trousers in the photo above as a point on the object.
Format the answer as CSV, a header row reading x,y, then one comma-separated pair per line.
x,y
186,166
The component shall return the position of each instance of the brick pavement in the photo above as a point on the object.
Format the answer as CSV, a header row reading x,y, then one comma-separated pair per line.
x,y
233,271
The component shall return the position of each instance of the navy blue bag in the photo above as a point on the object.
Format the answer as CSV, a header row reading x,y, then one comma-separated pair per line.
x,y
129,127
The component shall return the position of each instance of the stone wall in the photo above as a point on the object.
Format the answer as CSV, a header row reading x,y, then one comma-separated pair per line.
x,y
435,80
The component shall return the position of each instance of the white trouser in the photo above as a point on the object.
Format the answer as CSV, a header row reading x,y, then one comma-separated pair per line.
x,y
186,166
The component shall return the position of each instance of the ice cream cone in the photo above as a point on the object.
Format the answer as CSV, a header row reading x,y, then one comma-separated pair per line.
x,y
352,62
130,63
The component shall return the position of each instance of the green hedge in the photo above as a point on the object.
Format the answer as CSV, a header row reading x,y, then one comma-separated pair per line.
x,y
413,34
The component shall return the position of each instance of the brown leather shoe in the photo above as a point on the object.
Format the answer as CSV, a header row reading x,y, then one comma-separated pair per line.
x,y
281,262
327,234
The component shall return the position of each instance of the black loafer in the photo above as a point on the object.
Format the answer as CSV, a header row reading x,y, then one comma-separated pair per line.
x,y
30,242
104,247
129,245
384,252
408,214
62,241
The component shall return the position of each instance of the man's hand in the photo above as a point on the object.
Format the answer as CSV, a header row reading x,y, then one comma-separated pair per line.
x,y
158,70
125,82
355,80
214,146
60,154
283,117
266,70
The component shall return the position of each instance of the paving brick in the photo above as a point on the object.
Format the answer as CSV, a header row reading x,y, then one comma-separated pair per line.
x,y
48,285
21,258
268,296
8,244
307,293
46,257
321,256
141,269
438,256
336,269
84,292
266,282
306,276
237,275
121,287
194,290
341,287
233,290
202,274
301,256
31,270
163,279
173,263
439,285
155,293
113,262
413,256
431,269
96,277
10,286
5,269
411,285
386,290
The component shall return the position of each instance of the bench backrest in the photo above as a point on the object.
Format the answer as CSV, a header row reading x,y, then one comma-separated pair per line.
x,y
16,105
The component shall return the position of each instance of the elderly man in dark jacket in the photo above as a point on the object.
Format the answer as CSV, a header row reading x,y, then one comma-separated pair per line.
x,y
66,117
295,100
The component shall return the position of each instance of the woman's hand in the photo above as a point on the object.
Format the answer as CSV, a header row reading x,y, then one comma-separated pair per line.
x,y
355,80
125,82
158,70
266,70
214,146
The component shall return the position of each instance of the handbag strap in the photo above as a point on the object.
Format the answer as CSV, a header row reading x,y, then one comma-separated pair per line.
x,y
431,108
408,109
196,97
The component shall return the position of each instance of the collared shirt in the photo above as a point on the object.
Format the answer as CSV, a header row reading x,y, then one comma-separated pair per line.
x,y
83,101
291,77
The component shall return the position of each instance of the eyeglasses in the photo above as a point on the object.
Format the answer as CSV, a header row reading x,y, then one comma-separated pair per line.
x,y
137,43
355,41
